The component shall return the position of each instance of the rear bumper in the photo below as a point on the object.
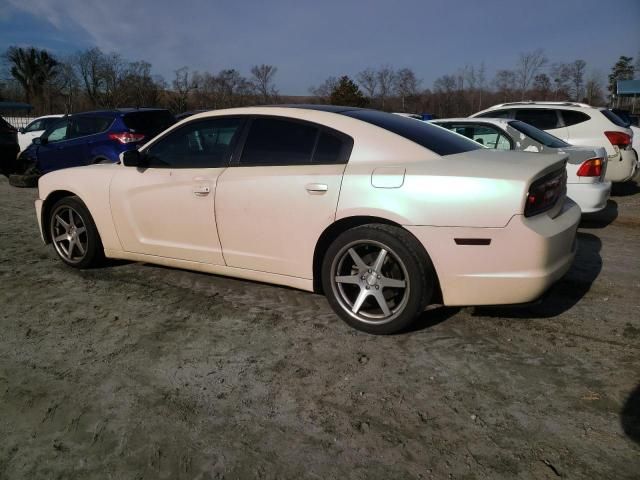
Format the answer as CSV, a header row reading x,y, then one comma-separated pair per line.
x,y
622,166
590,197
519,264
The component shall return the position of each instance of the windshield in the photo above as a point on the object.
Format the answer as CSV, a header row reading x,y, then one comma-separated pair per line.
x,y
538,135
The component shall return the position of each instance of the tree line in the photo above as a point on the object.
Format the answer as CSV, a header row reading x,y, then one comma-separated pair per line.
x,y
93,79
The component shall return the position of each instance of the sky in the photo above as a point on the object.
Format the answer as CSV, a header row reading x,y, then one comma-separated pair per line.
x,y
310,40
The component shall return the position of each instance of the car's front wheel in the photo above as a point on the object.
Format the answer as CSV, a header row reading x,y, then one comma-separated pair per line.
x,y
377,278
74,234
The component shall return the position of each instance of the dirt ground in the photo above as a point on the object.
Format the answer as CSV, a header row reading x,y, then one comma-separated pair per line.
x,y
135,371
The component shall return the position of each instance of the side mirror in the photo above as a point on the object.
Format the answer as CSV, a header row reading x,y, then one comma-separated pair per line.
x,y
39,141
133,158
21,130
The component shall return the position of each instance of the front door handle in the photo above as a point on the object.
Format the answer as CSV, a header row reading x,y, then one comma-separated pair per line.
x,y
316,188
202,190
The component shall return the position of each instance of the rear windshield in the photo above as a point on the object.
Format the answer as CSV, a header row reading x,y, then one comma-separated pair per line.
x,y
538,135
615,119
437,139
150,123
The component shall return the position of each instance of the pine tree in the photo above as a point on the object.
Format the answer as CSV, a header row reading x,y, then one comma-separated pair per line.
x,y
348,94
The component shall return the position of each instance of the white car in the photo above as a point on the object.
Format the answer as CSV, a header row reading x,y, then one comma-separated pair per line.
x,y
586,166
578,124
34,129
383,214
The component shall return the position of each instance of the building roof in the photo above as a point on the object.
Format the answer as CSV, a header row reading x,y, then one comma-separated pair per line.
x,y
628,87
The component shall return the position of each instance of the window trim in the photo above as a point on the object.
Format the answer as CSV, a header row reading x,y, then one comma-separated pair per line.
x,y
233,147
503,132
343,160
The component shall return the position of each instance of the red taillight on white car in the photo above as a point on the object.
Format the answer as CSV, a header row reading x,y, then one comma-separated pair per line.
x,y
591,168
126,137
619,139
545,192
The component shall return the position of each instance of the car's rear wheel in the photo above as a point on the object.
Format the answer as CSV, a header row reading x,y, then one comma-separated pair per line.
x,y
377,278
74,234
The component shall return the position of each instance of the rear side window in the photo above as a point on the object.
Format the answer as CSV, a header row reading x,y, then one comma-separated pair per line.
x,y
538,117
150,123
436,139
615,119
84,126
573,117
274,141
332,148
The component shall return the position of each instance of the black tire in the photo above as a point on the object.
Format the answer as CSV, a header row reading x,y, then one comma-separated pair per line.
x,y
405,262
23,181
92,252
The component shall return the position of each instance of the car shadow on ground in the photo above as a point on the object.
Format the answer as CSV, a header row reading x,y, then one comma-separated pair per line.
x,y
430,318
630,415
600,219
564,294
625,189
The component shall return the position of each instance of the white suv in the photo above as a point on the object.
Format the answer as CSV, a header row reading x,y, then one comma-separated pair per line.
x,y
578,124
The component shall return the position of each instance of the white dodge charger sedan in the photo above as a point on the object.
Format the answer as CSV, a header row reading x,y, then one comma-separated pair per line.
x,y
383,214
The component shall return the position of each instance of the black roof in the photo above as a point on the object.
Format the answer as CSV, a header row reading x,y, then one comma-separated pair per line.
x,y
321,108
116,111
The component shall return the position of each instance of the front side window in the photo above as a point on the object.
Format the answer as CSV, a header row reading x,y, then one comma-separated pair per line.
x,y
35,126
273,141
57,132
199,144
541,118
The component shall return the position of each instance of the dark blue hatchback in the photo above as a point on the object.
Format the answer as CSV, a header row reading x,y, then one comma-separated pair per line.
x,y
92,137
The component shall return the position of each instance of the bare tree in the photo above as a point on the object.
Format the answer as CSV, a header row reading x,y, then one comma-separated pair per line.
x,y
263,81
324,90
505,82
368,80
89,64
182,84
386,77
576,72
561,76
529,64
406,85
594,89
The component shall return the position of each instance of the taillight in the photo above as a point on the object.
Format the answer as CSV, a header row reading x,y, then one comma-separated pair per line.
x,y
619,139
126,137
545,192
591,168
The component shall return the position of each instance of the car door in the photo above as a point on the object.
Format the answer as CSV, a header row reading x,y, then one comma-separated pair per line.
x,y
167,209
280,193
546,119
65,146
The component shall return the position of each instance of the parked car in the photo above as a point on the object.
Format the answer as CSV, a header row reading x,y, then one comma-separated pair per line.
x,y
586,166
383,214
34,129
632,121
578,124
90,137
8,146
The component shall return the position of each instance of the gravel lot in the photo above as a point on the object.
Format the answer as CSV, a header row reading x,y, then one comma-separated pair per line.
x,y
135,371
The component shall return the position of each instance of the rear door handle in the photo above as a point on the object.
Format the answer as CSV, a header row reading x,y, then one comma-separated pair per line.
x,y
316,188
202,190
